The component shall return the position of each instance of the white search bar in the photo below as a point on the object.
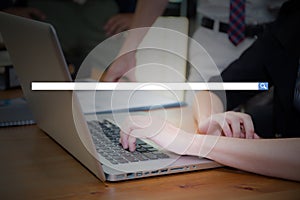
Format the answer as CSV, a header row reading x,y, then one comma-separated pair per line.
x,y
148,86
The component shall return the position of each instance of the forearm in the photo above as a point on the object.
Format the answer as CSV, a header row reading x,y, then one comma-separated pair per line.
x,y
145,14
271,157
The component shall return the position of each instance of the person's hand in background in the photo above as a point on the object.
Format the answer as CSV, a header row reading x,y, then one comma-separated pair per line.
x,y
145,14
122,69
118,23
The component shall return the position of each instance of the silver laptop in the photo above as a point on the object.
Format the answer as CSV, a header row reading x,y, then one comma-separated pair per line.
x,y
37,56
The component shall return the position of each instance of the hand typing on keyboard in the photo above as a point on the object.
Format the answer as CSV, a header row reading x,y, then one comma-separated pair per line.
x,y
106,137
158,130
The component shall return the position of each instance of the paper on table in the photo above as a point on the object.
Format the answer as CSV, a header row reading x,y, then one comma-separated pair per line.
x,y
121,101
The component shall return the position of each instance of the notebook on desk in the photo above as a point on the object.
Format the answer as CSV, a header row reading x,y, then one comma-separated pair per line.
x,y
37,56
15,112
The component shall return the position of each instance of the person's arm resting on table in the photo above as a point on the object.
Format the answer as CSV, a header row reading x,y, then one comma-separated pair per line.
x,y
271,157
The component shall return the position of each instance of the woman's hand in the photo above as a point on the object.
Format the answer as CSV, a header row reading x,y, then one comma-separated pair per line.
x,y
230,124
156,129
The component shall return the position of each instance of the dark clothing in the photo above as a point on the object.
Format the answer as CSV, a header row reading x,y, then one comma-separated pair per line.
x,y
9,3
273,58
126,6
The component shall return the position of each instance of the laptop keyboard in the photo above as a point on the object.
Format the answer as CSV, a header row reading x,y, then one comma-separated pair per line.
x,y
106,137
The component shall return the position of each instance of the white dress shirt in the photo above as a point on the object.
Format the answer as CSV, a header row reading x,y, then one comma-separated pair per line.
x,y
257,11
221,51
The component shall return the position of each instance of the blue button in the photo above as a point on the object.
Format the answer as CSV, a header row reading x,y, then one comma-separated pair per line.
x,y
263,86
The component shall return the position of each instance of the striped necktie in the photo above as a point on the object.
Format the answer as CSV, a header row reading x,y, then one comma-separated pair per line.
x,y
237,26
297,92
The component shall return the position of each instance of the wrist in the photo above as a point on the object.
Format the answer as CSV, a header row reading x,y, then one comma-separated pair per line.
x,y
183,143
205,145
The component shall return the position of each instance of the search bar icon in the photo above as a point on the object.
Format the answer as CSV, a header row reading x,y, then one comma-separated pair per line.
x,y
263,86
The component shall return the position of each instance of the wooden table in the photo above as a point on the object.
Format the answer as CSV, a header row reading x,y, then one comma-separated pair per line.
x,y
33,166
